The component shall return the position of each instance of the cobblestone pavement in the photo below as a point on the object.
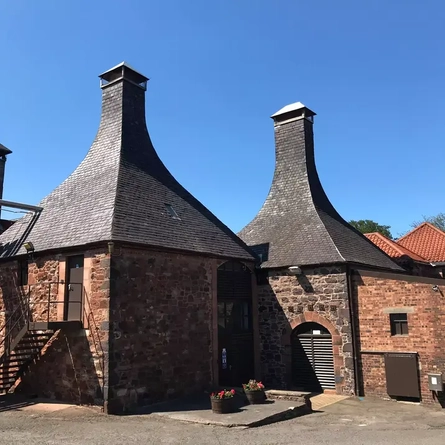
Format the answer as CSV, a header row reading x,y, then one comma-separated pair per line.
x,y
347,422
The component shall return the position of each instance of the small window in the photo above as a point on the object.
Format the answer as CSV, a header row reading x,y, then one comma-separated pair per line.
x,y
399,324
23,272
171,211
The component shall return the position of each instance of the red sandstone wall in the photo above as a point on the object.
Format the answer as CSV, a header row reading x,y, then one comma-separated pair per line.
x,y
160,326
376,294
72,365
319,294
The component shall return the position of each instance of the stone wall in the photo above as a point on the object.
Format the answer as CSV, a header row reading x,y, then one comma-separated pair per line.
x,y
160,327
72,366
320,295
379,294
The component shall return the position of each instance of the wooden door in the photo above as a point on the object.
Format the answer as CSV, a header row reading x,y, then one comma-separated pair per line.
x,y
74,289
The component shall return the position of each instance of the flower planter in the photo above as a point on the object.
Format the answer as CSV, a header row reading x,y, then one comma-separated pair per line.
x,y
222,406
255,397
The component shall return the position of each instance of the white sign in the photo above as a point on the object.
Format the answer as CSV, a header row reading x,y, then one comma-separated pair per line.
x,y
316,332
434,380
224,358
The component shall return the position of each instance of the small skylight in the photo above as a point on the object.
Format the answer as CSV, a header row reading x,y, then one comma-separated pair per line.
x,y
171,211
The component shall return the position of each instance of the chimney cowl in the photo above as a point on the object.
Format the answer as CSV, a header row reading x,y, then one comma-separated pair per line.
x,y
120,72
292,112
4,151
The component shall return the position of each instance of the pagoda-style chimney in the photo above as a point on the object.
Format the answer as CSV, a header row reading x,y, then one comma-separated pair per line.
x,y
3,153
297,224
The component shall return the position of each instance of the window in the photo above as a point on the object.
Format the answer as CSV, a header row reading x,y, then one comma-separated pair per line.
x,y
399,324
23,273
234,316
171,211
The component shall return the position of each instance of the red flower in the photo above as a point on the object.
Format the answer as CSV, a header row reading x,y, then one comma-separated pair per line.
x,y
232,391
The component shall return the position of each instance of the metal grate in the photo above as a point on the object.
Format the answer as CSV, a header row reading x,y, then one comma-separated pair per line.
x,y
313,362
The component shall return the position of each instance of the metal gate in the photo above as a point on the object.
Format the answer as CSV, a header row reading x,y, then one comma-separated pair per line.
x,y
312,358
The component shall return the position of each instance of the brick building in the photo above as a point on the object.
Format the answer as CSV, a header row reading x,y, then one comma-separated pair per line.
x,y
328,297
111,290
121,289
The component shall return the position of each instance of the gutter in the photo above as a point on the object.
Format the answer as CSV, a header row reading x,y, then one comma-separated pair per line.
x,y
20,206
352,315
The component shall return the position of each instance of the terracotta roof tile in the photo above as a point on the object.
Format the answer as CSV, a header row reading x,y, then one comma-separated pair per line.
x,y
425,240
390,247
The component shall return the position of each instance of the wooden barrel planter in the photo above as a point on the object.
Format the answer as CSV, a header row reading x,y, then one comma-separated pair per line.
x,y
222,406
255,397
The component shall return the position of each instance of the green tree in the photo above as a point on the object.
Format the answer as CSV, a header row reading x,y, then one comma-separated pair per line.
x,y
437,220
369,226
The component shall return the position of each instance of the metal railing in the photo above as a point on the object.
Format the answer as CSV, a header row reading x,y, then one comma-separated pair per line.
x,y
94,335
39,304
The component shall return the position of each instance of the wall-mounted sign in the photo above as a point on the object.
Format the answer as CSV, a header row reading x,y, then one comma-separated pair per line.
x,y
224,358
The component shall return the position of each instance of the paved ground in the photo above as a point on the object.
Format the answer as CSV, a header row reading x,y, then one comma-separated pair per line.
x,y
197,409
350,421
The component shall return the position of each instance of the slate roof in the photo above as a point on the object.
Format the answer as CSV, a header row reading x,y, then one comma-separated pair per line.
x,y
297,224
427,241
391,247
120,191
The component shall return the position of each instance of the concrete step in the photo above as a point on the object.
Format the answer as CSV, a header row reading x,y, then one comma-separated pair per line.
x,y
296,396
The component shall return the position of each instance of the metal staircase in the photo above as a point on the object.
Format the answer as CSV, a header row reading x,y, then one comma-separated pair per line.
x,y
23,341
25,350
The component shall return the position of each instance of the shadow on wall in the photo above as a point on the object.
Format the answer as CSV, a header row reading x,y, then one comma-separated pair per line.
x,y
277,369
303,323
14,302
66,371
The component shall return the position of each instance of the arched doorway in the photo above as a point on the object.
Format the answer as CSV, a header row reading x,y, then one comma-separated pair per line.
x,y
312,358
235,324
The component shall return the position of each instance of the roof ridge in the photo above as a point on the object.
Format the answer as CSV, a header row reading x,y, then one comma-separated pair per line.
x,y
392,243
432,226
398,248
425,223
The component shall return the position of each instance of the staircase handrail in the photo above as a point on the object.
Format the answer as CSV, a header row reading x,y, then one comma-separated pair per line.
x,y
92,326
9,330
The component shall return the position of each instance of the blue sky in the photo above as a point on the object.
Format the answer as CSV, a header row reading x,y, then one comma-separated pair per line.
x,y
373,71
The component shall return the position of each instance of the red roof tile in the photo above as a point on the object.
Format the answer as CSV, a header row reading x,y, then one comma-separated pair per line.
x,y
425,240
390,247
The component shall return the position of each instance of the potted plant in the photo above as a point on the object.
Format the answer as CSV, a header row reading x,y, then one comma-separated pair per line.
x,y
222,401
254,392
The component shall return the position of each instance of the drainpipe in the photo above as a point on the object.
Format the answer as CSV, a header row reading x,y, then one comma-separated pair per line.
x,y
352,315
3,152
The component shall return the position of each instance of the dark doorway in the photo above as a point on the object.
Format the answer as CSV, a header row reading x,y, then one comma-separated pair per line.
x,y
312,358
235,327
74,289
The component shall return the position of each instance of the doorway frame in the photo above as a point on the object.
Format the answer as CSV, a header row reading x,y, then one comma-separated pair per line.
x,y
255,321
66,300
337,342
